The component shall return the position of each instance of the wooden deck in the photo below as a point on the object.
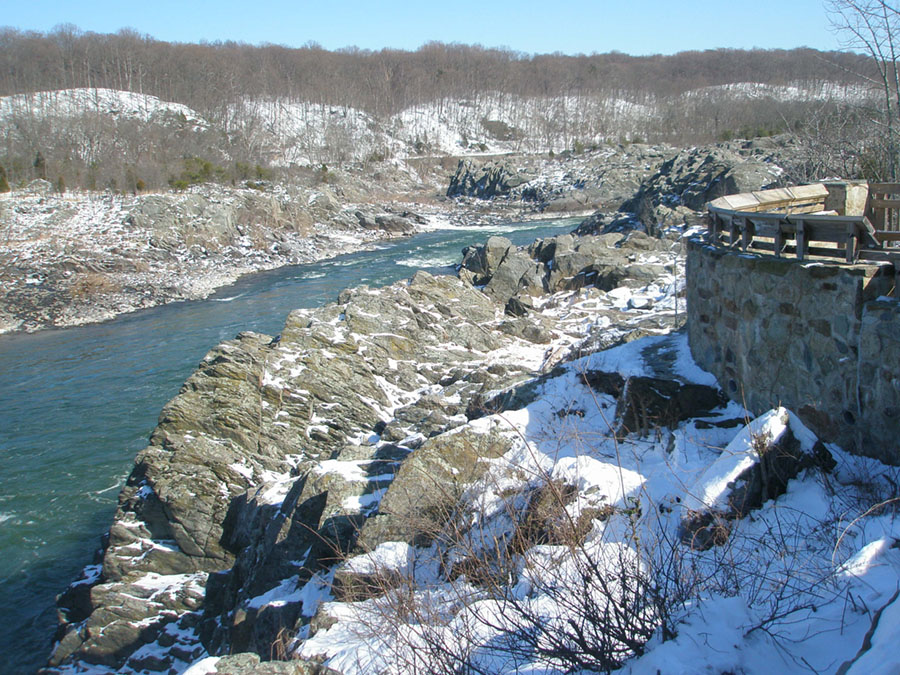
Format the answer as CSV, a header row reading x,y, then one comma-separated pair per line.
x,y
822,220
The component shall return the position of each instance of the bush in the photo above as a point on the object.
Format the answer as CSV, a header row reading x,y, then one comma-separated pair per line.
x,y
197,170
4,183
552,590
40,166
133,184
325,176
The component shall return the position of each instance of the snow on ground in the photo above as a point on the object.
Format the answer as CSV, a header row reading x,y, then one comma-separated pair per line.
x,y
107,102
297,132
796,588
798,91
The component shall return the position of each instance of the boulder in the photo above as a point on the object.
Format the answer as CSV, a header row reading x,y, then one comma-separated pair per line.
x,y
482,260
544,250
484,181
251,664
755,467
516,271
644,404
395,224
423,496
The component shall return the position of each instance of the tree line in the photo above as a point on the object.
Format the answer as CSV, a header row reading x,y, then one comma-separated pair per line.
x,y
209,75
548,103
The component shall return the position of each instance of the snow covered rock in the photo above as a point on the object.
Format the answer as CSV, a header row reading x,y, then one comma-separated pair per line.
x,y
484,181
645,404
755,467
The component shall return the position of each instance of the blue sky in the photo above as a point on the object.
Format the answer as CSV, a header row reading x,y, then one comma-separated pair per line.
x,y
568,26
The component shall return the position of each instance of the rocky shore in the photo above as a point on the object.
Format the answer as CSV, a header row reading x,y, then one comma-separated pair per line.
x,y
273,460
80,257
74,258
297,478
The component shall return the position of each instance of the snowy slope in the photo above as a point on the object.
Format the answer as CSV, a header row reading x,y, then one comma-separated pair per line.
x,y
297,132
108,102
797,587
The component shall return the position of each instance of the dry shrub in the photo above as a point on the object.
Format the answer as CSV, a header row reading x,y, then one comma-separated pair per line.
x,y
91,284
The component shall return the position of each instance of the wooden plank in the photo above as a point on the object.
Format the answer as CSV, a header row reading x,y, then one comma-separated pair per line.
x,y
747,230
883,236
890,188
813,191
831,234
879,219
712,226
851,242
766,215
878,255
822,252
768,227
778,245
801,239
739,202
811,208
886,203
866,233
826,218
756,244
774,196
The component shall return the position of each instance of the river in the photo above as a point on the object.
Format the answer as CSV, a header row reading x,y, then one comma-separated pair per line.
x,y
77,404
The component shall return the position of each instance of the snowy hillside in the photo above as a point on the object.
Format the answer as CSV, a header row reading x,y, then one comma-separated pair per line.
x,y
107,102
294,132
797,585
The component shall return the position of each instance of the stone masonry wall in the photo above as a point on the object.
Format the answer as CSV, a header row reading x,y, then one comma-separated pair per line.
x,y
810,336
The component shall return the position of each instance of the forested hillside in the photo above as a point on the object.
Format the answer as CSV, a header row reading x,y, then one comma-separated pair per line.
x,y
234,112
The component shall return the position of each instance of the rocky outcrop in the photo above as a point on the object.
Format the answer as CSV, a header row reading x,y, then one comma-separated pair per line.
x,y
484,181
282,455
754,468
651,186
258,407
645,404
686,182
512,276
601,179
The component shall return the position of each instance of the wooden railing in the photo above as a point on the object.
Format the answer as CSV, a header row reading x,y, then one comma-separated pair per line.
x,y
853,221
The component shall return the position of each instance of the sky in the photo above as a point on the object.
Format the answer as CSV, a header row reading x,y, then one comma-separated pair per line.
x,y
569,26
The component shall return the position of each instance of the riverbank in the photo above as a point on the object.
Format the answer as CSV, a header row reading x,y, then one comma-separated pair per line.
x,y
79,257
79,403
86,257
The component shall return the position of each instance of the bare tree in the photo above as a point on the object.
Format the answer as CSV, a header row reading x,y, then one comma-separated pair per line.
x,y
873,27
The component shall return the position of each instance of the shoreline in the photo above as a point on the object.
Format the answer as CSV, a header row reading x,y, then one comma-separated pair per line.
x,y
202,283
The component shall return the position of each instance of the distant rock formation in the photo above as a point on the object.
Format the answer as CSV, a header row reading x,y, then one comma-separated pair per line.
x,y
484,181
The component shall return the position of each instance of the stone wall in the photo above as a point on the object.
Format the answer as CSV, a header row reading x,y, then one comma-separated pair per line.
x,y
813,337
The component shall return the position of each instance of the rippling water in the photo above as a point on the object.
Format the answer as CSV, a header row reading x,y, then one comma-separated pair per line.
x,y
77,404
